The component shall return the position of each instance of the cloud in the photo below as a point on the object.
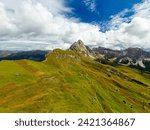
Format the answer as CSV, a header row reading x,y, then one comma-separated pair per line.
x,y
5,24
42,24
91,5
24,45
34,21
132,31
139,27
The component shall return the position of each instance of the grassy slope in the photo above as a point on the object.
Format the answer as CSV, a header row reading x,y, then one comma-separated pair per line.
x,y
67,82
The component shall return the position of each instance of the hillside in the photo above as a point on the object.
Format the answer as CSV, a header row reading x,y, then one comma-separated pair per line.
x,y
68,81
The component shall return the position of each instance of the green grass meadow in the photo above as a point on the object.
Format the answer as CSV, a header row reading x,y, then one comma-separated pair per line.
x,y
69,82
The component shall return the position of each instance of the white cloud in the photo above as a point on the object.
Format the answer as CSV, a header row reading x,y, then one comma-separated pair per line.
x,y
40,24
90,4
135,33
139,27
5,24
34,21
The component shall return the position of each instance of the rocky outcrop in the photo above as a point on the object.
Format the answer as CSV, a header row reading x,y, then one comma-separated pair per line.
x,y
134,57
80,47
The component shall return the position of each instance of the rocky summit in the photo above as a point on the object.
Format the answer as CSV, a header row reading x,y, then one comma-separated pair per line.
x,y
80,47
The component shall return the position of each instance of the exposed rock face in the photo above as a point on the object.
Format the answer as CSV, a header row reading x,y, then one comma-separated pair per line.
x,y
134,53
134,57
81,48
108,53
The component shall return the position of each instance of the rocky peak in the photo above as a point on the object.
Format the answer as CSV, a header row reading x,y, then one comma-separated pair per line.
x,y
136,53
80,47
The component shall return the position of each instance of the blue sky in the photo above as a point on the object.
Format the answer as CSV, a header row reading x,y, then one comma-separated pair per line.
x,y
49,24
103,9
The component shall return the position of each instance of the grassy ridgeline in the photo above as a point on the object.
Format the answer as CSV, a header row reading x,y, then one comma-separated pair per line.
x,y
69,82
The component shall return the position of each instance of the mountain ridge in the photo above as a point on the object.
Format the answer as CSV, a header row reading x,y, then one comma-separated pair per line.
x,y
133,57
68,81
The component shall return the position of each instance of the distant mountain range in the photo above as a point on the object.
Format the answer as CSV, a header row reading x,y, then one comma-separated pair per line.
x,y
133,57
36,55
